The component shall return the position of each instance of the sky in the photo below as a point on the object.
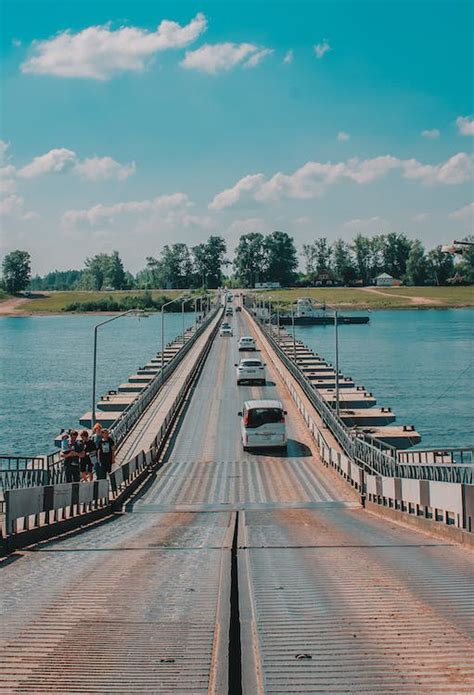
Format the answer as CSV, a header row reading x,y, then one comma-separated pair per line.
x,y
128,125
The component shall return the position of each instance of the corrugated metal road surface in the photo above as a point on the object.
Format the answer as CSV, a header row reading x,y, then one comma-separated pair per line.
x,y
143,608
338,602
332,599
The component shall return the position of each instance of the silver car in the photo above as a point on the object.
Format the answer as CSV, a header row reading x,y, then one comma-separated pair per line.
x,y
263,424
250,369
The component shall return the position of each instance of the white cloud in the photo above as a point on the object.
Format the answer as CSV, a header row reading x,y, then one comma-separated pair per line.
x,y
465,213
368,224
313,178
421,217
288,57
231,196
342,136
100,168
7,180
13,206
432,134
457,169
165,205
465,125
218,57
53,161
302,220
4,147
257,57
99,52
322,48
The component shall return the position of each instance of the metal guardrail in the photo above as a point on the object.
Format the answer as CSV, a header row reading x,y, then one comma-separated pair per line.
x,y
374,457
30,471
456,456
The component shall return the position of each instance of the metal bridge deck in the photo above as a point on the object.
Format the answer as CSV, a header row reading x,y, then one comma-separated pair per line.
x,y
332,599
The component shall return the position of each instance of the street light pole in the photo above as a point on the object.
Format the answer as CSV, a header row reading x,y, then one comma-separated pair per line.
x,y
94,368
336,338
163,335
293,328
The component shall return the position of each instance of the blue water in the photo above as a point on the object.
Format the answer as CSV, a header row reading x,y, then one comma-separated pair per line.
x,y
408,359
46,370
418,362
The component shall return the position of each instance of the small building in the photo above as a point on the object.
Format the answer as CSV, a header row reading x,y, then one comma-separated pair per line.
x,y
325,279
386,280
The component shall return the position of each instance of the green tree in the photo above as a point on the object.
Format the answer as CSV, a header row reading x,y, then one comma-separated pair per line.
x,y
395,249
309,255
465,267
281,257
362,249
417,264
251,258
440,265
343,265
176,265
323,253
16,268
96,269
115,274
209,260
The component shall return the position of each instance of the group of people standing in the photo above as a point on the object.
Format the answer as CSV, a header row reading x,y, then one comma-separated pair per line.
x,y
85,455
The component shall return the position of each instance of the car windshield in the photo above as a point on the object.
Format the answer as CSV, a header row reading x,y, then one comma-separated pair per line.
x,y
225,325
256,417
246,340
250,363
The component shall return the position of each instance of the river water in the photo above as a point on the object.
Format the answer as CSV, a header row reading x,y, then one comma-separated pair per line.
x,y
418,362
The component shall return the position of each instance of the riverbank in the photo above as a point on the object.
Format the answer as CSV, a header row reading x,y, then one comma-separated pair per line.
x,y
373,298
364,298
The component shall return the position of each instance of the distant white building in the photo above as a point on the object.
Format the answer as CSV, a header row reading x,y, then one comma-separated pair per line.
x,y
267,285
386,280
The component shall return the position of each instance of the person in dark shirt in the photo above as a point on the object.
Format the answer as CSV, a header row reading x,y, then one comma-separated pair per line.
x,y
89,460
106,452
72,458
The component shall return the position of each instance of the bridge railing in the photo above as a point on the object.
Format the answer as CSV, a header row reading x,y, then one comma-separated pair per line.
x,y
28,513
372,455
30,471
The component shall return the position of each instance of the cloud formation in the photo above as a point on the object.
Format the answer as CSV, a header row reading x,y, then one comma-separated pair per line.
x,y
465,125
100,52
432,134
342,136
464,213
322,48
164,205
91,169
367,224
220,57
288,58
313,178
421,217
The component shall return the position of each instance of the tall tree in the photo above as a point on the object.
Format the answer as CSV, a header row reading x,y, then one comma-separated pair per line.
x,y
362,249
96,269
16,268
343,264
323,253
441,265
115,272
395,249
282,258
250,261
465,268
417,264
309,255
176,265
209,259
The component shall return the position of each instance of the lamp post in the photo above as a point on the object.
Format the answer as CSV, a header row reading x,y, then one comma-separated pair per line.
x,y
94,368
172,301
336,340
293,329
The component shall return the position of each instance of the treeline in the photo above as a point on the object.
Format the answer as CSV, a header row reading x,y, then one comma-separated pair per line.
x,y
145,301
362,260
258,258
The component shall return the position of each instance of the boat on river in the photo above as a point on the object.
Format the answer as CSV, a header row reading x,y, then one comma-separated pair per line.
x,y
308,313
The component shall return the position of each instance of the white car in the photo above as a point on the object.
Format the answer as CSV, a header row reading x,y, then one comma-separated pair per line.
x,y
226,330
263,424
250,370
247,344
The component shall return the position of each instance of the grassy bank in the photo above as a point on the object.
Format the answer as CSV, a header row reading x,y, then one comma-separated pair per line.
x,y
58,302
379,297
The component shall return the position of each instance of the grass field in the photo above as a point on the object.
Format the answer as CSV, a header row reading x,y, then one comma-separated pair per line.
x,y
3,295
383,298
57,301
